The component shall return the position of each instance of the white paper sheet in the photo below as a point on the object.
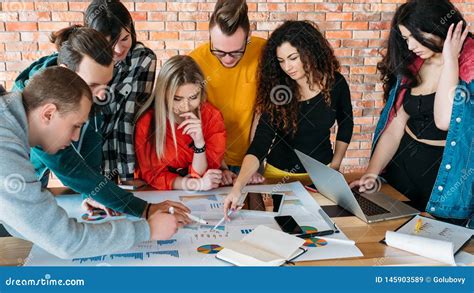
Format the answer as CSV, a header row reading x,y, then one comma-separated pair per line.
x,y
438,250
182,250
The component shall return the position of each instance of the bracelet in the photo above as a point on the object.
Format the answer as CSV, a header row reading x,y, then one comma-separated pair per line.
x,y
199,150
147,213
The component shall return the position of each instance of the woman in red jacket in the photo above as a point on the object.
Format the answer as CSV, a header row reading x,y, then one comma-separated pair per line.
x,y
180,143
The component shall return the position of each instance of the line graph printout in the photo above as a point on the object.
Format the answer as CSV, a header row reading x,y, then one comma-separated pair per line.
x,y
195,244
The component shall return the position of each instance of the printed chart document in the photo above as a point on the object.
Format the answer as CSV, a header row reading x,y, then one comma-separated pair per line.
x,y
196,244
434,239
262,247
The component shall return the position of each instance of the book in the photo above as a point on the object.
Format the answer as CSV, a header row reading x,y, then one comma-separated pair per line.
x,y
430,238
262,247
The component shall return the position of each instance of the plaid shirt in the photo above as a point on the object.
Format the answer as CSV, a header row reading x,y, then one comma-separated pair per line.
x,y
130,87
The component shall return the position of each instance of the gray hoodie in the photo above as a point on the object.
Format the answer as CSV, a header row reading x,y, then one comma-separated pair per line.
x,y
29,212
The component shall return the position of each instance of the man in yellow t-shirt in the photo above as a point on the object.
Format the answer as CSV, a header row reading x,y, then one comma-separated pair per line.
x,y
230,63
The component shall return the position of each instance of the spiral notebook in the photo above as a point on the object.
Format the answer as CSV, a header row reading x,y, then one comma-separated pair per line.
x,y
263,247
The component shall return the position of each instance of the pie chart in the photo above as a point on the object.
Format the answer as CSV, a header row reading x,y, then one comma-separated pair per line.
x,y
209,249
315,242
308,229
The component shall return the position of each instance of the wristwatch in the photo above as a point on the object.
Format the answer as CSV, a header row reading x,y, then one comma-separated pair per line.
x,y
199,150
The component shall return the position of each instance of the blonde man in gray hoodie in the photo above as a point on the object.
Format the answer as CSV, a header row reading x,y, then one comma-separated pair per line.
x,y
49,113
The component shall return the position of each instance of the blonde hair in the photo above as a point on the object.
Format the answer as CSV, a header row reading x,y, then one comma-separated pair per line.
x,y
177,71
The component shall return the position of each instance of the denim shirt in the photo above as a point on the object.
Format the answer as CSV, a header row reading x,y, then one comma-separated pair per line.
x,y
452,194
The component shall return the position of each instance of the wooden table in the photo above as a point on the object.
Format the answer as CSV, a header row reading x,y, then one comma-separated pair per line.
x,y
13,251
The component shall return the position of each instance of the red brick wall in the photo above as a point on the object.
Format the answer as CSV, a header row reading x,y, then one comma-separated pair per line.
x,y
356,29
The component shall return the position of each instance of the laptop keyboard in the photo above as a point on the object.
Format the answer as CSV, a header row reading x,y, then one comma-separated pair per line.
x,y
368,207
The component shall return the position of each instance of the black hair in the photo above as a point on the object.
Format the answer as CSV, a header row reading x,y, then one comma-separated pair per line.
x,y
419,17
109,17
320,66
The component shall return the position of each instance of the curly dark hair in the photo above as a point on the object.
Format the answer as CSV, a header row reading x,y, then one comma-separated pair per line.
x,y
418,16
320,65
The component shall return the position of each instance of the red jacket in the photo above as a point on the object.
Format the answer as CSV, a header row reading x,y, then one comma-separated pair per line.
x,y
161,174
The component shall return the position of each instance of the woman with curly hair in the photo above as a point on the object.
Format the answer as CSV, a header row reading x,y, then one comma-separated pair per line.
x,y
300,96
424,140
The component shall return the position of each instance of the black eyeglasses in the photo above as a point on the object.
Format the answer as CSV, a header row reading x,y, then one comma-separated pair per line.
x,y
232,54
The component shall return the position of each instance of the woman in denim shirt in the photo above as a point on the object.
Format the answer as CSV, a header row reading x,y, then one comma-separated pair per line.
x,y
423,144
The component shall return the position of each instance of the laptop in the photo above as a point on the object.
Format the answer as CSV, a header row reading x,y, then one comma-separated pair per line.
x,y
369,207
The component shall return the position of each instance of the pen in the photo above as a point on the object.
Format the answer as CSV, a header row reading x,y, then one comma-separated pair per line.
x,y
313,234
192,217
222,220
418,225
328,221
239,204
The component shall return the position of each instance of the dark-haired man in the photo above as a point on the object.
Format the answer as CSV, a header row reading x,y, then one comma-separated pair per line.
x,y
49,113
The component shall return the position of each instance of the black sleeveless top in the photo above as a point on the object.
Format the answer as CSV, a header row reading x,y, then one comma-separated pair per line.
x,y
421,121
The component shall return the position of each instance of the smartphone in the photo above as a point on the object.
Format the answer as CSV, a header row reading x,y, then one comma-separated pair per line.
x,y
288,225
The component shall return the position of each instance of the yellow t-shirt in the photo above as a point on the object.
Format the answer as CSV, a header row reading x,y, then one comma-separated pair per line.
x,y
233,91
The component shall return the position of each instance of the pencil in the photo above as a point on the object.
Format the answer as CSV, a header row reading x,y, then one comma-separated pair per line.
x,y
418,225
